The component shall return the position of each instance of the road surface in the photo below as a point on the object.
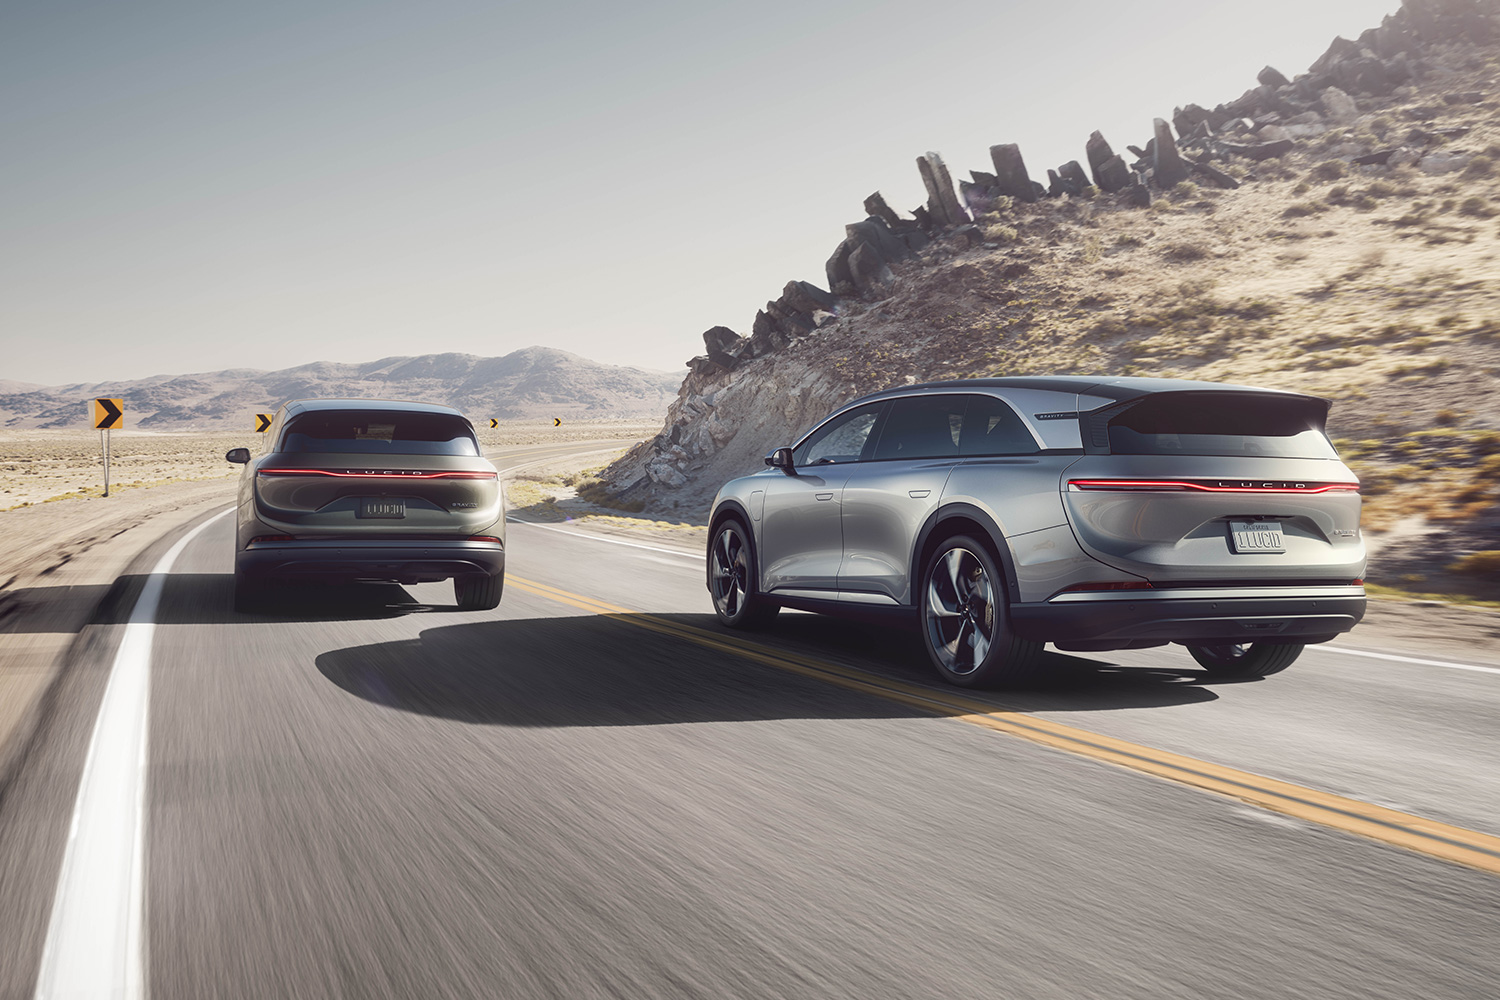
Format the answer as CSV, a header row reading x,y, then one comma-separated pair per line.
x,y
593,791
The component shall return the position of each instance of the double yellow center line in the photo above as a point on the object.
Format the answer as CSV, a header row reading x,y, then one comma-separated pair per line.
x,y
1414,833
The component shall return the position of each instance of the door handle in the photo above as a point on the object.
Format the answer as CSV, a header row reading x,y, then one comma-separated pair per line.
x,y
918,494
823,496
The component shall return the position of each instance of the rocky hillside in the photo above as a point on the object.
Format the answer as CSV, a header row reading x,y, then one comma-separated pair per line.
x,y
1333,232
534,383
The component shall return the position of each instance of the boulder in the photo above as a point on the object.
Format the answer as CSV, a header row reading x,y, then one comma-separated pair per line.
x,y
1138,193
869,270
1213,174
767,336
1072,173
876,205
1108,169
975,197
942,202
915,239
720,338
808,297
1260,150
1339,50
877,234
1167,168
1379,158
1272,77
1187,119
840,280
983,179
1011,177
1339,106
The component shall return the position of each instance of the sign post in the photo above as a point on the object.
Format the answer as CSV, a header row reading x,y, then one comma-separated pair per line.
x,y
108,414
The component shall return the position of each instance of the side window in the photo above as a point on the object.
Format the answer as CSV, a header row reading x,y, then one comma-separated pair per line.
x,y
991,427
840,440
922,427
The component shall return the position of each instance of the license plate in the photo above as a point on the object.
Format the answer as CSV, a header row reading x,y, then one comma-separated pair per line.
x,y
1256,536
382,508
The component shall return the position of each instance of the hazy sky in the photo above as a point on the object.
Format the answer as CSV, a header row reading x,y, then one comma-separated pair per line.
x,y
203,185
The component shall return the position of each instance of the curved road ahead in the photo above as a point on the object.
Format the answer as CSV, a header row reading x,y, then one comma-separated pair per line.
x,y
593,791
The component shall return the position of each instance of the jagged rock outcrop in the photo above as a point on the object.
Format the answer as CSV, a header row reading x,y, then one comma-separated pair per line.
x,y
1216,145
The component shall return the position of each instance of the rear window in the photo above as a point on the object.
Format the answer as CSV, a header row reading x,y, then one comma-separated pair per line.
x,y
1223,424
380,432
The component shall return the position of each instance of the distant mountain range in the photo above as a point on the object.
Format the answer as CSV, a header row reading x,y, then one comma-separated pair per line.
x,y
536,382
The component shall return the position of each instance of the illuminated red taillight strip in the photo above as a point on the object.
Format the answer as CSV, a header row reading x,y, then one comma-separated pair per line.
x,y
393,474
1183,485
484,538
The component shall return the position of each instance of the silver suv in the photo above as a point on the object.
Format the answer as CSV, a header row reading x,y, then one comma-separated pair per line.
x,y
370,489
1091,513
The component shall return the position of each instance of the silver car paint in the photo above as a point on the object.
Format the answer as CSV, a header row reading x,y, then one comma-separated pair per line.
x,y
1055,538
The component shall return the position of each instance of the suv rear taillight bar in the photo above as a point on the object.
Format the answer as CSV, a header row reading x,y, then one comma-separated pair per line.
x,y
376,474
1209,486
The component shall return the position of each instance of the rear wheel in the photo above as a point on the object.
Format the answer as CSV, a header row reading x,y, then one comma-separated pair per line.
x,y
476,592
731,579
965,620
1255,659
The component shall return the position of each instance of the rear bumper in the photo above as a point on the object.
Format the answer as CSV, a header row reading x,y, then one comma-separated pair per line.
x,y
1250,614
402,561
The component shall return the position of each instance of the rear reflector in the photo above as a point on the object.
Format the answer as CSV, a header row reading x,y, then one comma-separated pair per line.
x,y
1206,486
376,474
271,538
484,538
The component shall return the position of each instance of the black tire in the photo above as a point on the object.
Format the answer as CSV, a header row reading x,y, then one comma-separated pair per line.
x,y
732,578
966,622
476,592
1256,659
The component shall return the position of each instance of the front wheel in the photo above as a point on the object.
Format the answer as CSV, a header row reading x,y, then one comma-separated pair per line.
x,y
1255,659
965,621
477,592
731,579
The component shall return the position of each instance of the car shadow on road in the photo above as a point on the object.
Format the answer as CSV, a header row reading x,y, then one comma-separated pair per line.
x,y
635,670
201,599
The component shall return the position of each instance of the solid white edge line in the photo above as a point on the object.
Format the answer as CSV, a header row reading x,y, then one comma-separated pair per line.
x,y
96,934
612,541
1406,659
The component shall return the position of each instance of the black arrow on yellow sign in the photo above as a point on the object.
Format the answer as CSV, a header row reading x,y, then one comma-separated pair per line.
x,y
109,414
263,422
494,423
556,421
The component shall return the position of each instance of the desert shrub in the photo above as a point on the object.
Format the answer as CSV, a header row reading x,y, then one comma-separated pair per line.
x,y
1303,209
1380,189
1337,195
1328,170
1478,563
1480,166
1186,250
1446,416
1186,189
1000,233
1303,187
1476,207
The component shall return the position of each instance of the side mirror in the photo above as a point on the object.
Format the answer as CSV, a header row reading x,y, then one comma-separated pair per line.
x,y
239,456
781,459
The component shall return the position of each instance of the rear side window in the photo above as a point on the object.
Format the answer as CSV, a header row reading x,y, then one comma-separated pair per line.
x,y
380,432
922,427
991,427
1223,424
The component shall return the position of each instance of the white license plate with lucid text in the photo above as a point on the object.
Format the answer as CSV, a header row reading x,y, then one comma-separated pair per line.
x,y
1256,536
381,507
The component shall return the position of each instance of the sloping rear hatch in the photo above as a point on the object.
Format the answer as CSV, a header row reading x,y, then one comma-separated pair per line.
x,y
1223,486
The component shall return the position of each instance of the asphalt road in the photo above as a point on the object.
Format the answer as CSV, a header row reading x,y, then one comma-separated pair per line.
x,y
365,793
